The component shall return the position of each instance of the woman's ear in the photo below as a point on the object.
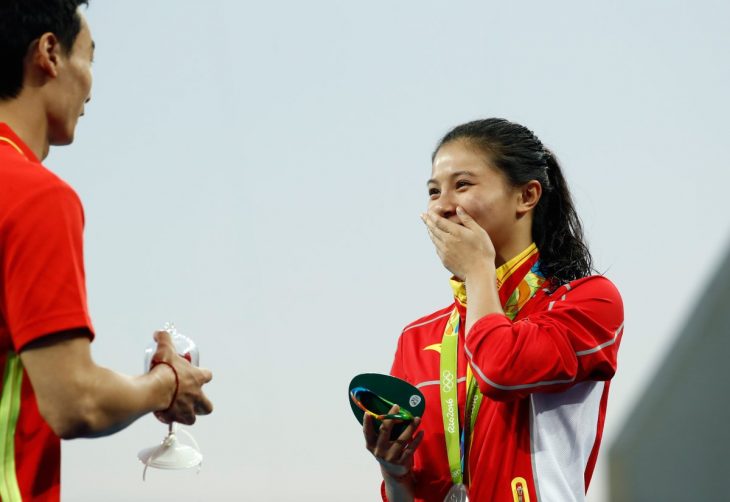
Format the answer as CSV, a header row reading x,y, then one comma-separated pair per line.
x,y
529,196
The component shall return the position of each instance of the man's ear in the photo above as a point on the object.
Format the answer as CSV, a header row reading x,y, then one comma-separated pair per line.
x,y
46,55
529,196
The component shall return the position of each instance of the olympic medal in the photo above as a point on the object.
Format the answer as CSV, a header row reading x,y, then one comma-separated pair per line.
x,y
376,393
457,493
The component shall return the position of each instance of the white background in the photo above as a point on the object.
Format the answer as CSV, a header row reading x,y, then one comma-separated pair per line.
x,y
254,172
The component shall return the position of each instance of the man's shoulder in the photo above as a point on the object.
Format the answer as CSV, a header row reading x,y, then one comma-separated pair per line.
x,y
23,181
21,172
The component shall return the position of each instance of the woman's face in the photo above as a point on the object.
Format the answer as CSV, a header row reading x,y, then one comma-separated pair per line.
x,y
462,176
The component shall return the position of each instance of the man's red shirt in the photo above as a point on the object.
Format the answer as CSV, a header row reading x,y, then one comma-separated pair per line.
x,y
42,292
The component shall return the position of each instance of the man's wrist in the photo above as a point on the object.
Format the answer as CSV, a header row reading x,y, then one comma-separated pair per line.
x,y
167,386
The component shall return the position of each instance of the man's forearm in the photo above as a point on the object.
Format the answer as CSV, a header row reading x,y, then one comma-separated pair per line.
x,y
112,401
81,399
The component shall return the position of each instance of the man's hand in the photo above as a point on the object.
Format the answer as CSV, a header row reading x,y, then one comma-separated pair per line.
x,y
190,400
79,398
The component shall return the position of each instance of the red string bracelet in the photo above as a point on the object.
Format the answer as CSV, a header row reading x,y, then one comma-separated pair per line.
x,y
177,381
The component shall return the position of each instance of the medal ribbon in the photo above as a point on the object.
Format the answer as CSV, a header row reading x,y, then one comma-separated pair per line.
x,y
520,290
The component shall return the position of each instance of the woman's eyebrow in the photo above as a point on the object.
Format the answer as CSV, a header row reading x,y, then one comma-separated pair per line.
x,y
453,175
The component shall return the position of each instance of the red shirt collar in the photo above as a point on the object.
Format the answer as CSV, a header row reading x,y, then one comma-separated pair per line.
x,y
9,138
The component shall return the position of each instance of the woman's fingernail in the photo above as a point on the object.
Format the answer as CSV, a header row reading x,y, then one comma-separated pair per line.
x,y
459,210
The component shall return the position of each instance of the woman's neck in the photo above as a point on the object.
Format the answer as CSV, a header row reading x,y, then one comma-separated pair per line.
x,y
511,249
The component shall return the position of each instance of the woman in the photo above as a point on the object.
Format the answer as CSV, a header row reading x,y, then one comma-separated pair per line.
x,y
533,353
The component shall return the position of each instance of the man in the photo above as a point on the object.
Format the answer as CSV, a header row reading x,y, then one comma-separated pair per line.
x,y
51,387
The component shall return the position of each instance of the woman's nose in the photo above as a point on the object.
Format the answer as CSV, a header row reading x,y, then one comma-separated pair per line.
x,y
446,206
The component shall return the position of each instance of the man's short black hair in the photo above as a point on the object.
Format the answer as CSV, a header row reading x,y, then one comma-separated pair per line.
x,y
24,21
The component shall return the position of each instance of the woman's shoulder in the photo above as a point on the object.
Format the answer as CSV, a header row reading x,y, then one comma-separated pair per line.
x,y
598,285
419,345
586,286
592,293
426,321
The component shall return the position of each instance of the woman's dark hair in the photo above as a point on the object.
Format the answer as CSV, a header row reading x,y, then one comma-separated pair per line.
x,y
24,21
521,156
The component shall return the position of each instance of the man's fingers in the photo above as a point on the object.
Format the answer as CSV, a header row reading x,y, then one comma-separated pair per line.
x,y
186,419
206,374
165,348
162,337
166,417
203,407
162,417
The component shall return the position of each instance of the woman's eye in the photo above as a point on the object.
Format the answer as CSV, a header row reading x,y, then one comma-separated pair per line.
x,y
432,192
462,184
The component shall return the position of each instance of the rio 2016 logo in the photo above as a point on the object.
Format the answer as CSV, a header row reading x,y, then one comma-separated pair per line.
x,y
450,416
